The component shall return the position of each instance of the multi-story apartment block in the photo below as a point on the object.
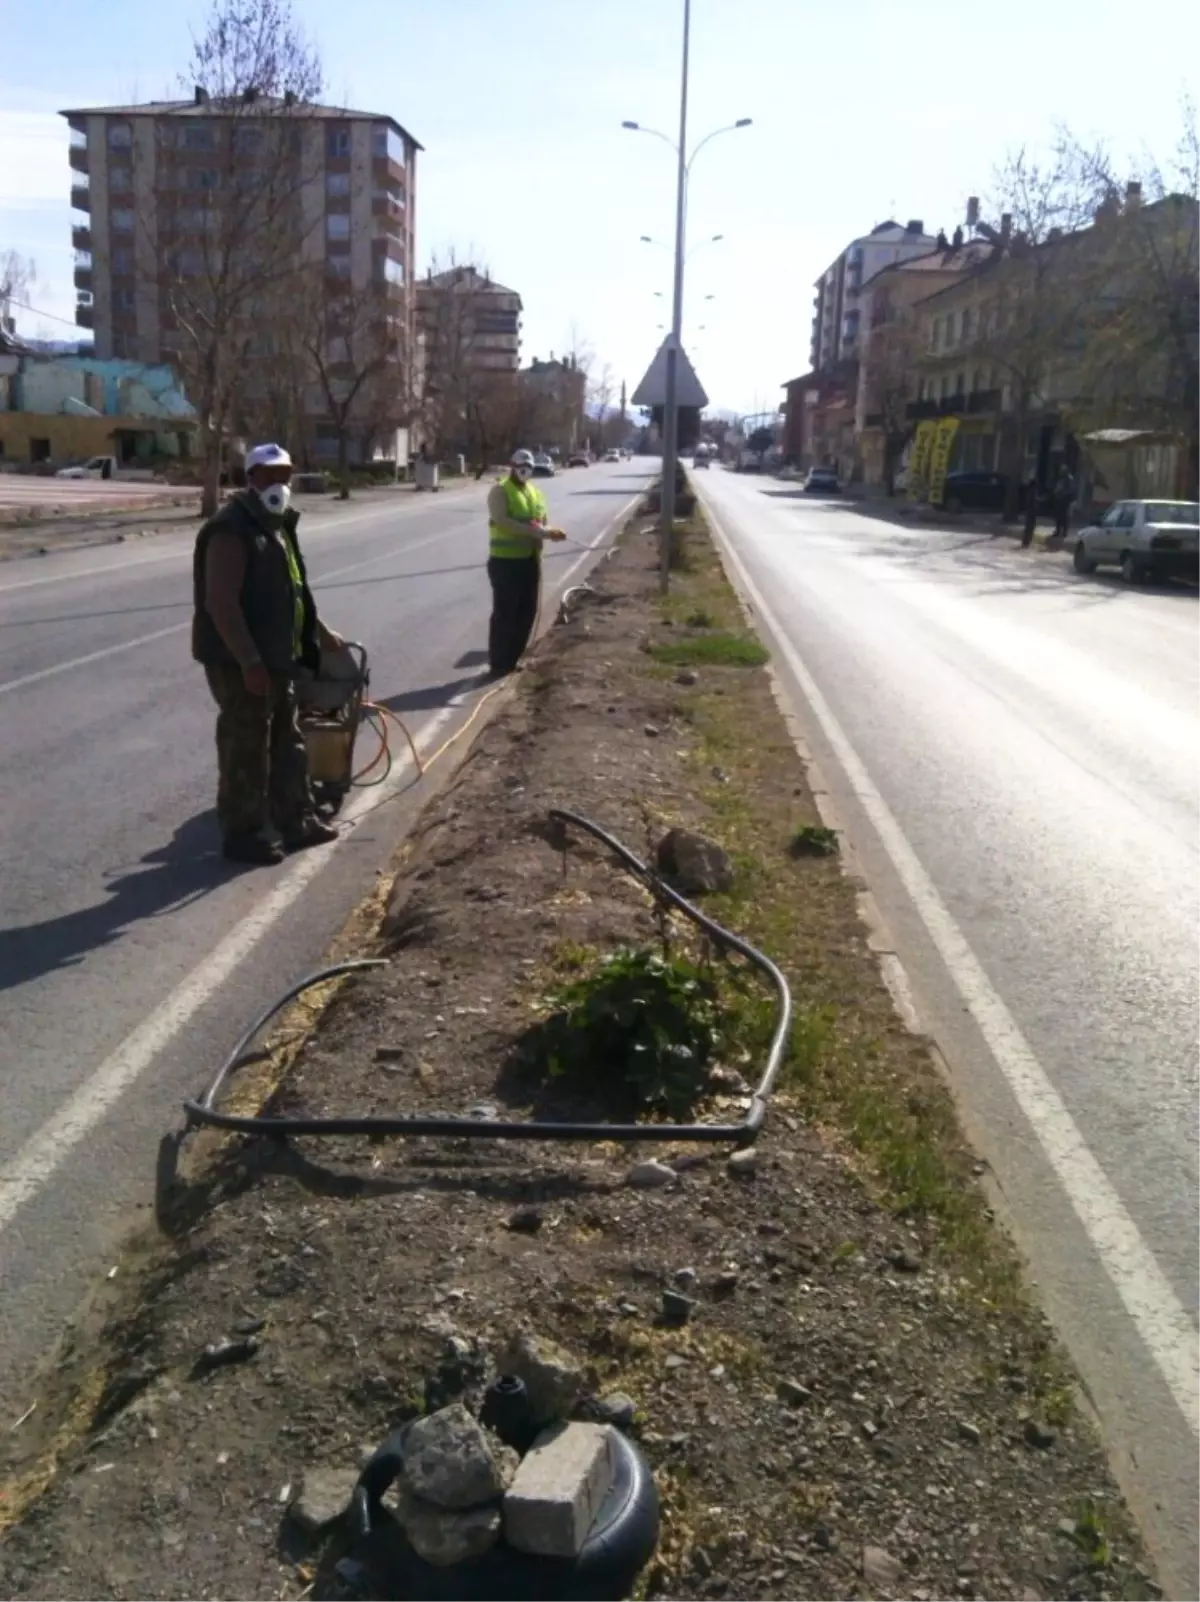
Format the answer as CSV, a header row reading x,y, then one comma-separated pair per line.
x,y
470,320
837,314
160,190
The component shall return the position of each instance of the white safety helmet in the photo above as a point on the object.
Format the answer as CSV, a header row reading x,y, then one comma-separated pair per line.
x,y
522,458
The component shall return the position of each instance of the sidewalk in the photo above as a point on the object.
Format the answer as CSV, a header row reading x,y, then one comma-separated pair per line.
x,y
25,536
822,1342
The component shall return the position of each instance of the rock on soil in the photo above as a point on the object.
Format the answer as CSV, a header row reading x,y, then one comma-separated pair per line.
x,y
324,1496
693,863
650,1175
451,1461
553,1378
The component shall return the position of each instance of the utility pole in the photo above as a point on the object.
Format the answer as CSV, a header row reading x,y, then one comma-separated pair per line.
x,y
671,408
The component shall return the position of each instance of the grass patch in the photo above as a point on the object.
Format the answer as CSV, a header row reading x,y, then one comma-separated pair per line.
x,y
711,650
812,840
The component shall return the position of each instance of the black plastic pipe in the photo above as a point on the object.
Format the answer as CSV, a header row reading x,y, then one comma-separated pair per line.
x,y
203,1111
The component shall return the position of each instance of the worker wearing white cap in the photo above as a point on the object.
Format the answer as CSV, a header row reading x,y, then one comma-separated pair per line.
x,y
518,523
255,623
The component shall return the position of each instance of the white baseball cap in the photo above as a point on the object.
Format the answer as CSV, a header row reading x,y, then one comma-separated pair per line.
x,y
267,456
522,458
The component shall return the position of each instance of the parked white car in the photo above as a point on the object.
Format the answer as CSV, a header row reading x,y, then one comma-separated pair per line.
x,y
1145,539
94,467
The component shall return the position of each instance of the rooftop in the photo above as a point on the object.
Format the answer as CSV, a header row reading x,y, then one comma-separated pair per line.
x,y
240,107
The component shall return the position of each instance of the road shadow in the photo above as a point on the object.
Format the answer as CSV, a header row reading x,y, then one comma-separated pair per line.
x,y
472,659
622,491
168,878
397,578
428,697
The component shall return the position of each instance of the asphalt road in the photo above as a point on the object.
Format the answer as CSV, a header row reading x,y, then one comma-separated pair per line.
x,y
1012,751
131,956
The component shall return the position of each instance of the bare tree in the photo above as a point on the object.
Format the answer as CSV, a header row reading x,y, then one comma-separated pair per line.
x,y
1140,362
601,391
355,346
460,397
17,275
1041,276
889,359
230,181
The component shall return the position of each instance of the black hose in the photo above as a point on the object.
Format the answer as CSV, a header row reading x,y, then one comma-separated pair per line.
x,y
202,1111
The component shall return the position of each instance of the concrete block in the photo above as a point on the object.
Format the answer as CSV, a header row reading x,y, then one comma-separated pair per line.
x,y
562,1480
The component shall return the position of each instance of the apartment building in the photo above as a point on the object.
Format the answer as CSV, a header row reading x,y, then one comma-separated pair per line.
x,y
161,189
837,312
469,320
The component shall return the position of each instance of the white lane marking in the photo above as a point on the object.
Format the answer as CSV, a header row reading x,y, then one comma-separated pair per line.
x,y
330,525
45,1151
1143,1288
177,628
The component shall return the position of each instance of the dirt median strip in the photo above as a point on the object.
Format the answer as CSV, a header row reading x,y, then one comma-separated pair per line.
x,y
838,1379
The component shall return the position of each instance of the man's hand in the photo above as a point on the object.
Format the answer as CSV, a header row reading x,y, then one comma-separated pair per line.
x,y
257,679
555,534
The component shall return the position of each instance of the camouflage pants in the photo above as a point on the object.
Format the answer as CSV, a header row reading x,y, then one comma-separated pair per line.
x,y
262,762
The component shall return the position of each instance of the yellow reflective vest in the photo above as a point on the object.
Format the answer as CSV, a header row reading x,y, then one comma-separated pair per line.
x,y
526,504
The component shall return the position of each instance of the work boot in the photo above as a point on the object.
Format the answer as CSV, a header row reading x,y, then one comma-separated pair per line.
x,y
254,850
314,833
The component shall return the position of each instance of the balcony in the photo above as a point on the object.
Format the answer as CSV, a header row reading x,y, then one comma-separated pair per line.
x,y
85,316
977,403
81,237
78,157
81,194
83,276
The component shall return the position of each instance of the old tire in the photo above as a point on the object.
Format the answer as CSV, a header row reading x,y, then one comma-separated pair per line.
x,y
621,1542
1083,562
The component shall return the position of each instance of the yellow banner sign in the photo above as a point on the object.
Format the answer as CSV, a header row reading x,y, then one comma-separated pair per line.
x,y
939,460
918,461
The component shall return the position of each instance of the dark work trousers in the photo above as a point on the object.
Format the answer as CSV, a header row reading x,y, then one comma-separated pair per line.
x,y
515,581
262,760
1062,518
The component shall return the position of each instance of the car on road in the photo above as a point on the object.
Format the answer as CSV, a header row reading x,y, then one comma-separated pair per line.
x,y
579,459
612,455
94,467
975,492
543,467
821,481
1145,539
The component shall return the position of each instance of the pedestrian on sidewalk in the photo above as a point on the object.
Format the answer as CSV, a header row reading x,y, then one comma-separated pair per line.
x,y
1031,510
518,525
255,622
1064,495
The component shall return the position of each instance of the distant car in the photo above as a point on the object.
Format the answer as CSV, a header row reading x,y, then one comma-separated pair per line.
x,y
579,459
821,481
94,467
700,459
976,492
612,455
1145,539
543,467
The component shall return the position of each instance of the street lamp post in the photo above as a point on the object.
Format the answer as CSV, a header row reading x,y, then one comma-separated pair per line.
x,y
671,406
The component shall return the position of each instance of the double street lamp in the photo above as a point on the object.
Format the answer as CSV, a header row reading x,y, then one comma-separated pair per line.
x,y
684,163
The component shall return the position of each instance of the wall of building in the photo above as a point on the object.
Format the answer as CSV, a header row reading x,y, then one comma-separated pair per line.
x,y
61,438
97,137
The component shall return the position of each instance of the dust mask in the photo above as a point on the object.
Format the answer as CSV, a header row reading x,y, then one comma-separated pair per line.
x,y
276,498
521,472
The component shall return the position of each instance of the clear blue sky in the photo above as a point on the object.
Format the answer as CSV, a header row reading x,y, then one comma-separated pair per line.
x,y
862,109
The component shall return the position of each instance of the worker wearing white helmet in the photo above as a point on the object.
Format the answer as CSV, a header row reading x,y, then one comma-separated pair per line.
x,y
255,623
518,525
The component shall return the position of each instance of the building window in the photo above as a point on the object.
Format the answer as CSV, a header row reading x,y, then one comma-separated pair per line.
x,y
386,142
337,185
203,178
121,221
338,266
122,300
120,179
337,350
337,142
120,136
247,141
337,225
191,219
189,262
391,271
966,324
960,384
936,337
122,260
196,136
